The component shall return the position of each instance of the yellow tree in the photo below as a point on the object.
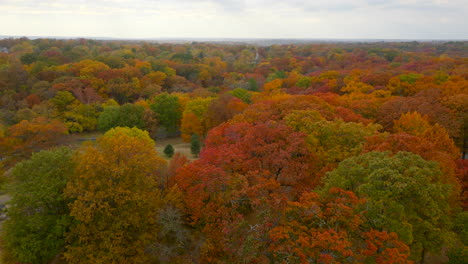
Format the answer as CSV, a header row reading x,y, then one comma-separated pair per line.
x,y
194,118
417,125
115,187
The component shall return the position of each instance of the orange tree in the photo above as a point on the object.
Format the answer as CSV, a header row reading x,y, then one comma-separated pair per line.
x,y
330,229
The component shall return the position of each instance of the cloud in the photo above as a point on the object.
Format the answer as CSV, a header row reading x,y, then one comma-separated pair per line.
x,y
233,18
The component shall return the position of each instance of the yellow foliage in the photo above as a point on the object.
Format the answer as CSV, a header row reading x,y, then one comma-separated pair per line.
x,y
273,86
411,123
115,187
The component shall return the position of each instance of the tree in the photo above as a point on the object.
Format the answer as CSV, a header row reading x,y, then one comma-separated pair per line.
x,y
273,86
271,148
26,137
127,115
404,193
417,125
194,118
177,162
131,115
62,101
115,187
190,125
428,150
330,229
242,94
38,216
169,150
331,141
222,109
195,145
253,86
167,109
108,118
425,104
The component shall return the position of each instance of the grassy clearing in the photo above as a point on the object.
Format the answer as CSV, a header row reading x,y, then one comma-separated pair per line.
x,y
179,146
75,140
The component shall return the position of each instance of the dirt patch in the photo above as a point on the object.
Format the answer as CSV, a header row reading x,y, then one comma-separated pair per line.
x,y
4,198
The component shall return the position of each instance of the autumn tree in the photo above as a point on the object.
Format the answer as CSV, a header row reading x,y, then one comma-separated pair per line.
x,y
331,141
424,103
194,119
330,229
425,148
62,101
38,216
223,108
175,240
417,125
26,137
177,162
404,195
115,187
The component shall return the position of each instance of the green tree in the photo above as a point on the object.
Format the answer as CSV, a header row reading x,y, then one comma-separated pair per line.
x,y
195,145
169,150
131,115
167,109
253,85
242,94
331,141
38,216
62,101
404,194
127,115
115,187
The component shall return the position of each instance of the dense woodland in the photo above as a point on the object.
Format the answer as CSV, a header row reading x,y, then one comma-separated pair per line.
x,y
310,153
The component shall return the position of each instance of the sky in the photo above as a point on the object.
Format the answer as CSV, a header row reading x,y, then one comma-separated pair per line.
x,y
329,19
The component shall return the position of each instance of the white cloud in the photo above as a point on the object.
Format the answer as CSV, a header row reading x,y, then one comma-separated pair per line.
x,y
413,19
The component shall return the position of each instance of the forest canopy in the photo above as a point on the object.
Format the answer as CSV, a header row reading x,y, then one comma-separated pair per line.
x,y
301,153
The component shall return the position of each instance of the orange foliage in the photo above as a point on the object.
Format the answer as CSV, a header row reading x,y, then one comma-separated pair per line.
x,y
27,137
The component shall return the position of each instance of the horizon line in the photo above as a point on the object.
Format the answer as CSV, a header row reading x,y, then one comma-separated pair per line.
x,y
230,38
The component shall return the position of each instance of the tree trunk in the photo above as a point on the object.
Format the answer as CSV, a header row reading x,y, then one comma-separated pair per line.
x,y
423,253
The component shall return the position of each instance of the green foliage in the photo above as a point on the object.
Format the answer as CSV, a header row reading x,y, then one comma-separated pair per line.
x,y
28,58
404,195
410,77
62,100
332,141
304,82
242,94
198,107
195,144
458,255
81,117
131,115
169,150
108,118
38,216
167,109
253,85
276,75
460,226
127,115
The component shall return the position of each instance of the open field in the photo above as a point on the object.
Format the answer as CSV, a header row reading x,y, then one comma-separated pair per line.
x,y
179,145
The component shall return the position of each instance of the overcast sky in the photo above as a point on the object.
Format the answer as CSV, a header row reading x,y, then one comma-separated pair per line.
x,y
372,19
